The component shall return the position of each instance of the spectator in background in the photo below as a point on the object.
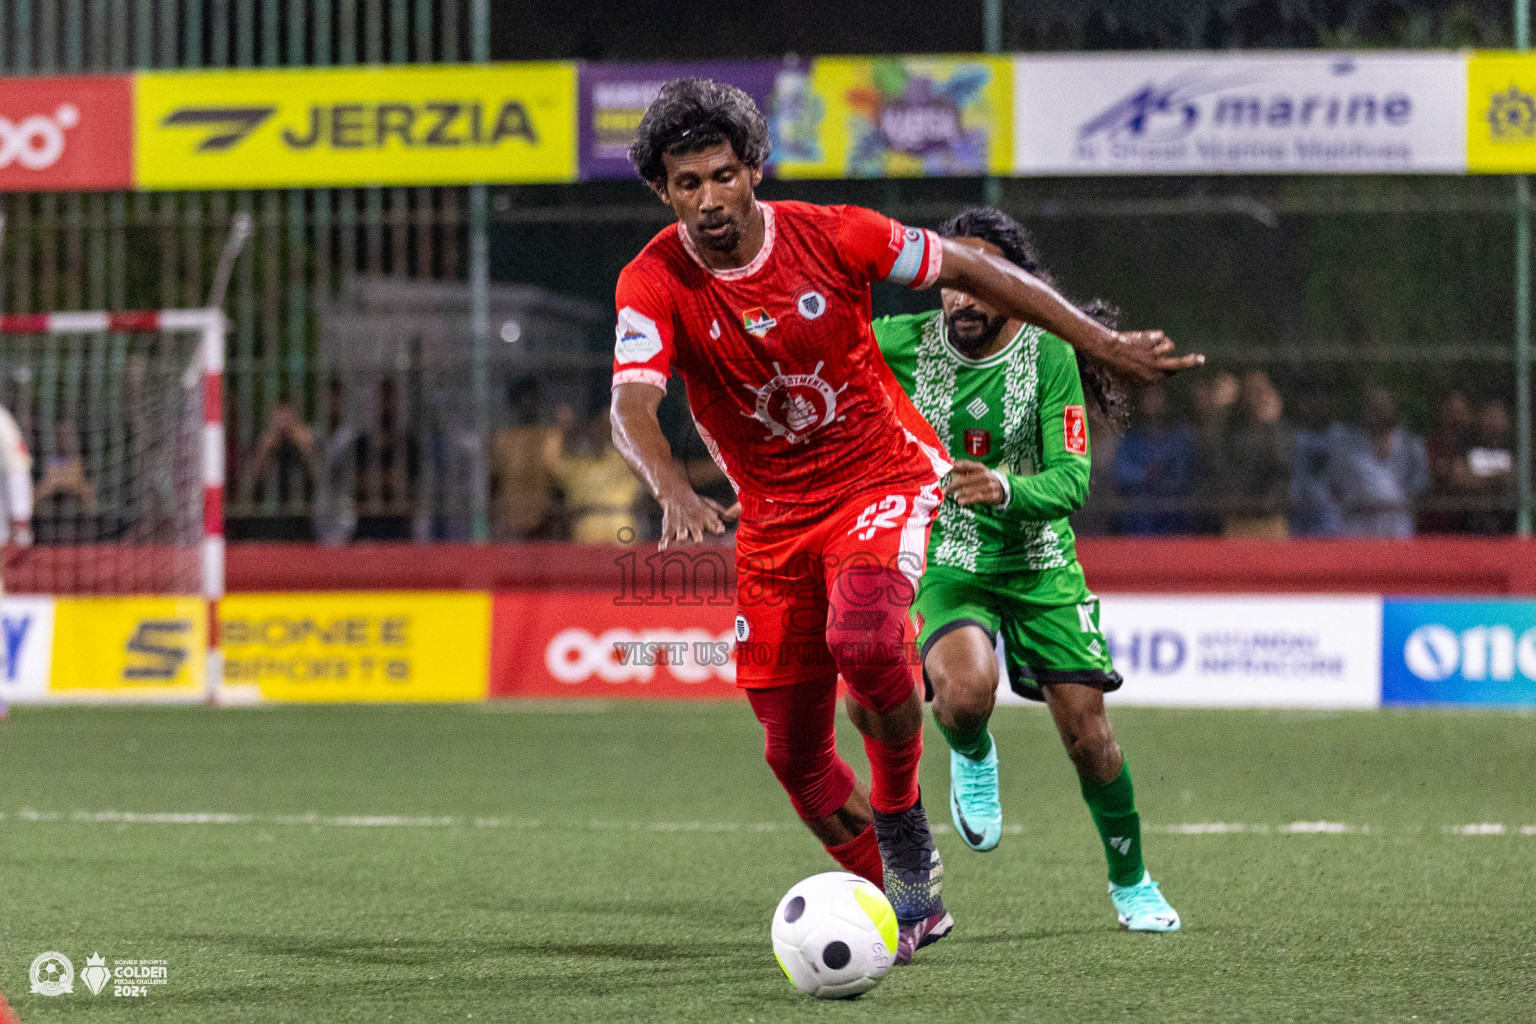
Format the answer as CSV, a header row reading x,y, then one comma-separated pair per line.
x,y
16,470
387,474
1484,473
283,469
335,518
1155,469
1446,445
1378,471
1215,404
65,501
522,483
600,491
1314,510
1254,464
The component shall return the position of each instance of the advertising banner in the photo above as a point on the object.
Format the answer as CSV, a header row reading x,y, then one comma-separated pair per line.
x,y
896,117
1243,651
613,97
313,127
26,631
129,648
588,644
61,134
1501,112
1240,113
1459,652
364,646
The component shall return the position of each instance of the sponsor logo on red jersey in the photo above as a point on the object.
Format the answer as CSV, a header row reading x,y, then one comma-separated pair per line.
x,y
978,442
1074,427
757,322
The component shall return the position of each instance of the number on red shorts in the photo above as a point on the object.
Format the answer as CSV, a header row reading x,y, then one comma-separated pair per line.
x,y
880,515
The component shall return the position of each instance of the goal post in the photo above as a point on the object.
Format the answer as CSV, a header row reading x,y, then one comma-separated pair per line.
x,y
122,414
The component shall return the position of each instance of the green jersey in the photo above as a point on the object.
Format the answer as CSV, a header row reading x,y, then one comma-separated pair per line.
x,y
1020,412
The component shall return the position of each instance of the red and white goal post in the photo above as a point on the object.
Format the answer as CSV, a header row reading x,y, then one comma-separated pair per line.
x,y
122,414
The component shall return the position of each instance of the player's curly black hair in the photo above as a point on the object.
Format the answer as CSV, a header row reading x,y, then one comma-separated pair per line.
x,y
993,225
690,114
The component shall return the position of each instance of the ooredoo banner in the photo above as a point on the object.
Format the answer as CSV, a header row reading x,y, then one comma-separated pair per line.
x,y
597,644
65,134
1243,651
410,125
1240,113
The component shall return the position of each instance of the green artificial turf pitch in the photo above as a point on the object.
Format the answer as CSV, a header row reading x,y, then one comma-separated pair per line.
x,y
620,862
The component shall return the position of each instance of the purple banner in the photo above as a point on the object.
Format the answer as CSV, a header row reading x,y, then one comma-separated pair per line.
x,y
614,96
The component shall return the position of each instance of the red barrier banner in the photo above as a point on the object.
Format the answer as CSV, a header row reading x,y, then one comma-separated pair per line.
x,y
59,134
574,643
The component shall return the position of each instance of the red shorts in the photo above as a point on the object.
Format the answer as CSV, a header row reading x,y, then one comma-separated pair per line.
x,y
809,589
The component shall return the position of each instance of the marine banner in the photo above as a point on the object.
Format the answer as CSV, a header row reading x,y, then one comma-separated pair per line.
x,y
366,646
314,127
1501,113
1240,113
895,117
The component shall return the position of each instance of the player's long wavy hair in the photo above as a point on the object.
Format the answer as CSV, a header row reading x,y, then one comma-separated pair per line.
x,y
993,225
690,114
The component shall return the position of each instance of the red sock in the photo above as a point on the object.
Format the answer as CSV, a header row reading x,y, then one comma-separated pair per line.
x,y
893,767
861,855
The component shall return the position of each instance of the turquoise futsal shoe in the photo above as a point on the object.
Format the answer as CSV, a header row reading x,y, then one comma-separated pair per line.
x,y
973,803
1141,907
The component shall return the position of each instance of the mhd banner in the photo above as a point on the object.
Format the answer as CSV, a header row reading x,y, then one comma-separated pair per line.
x,y
1240,113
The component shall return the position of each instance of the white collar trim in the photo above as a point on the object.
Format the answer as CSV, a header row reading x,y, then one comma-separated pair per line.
x,y
735,273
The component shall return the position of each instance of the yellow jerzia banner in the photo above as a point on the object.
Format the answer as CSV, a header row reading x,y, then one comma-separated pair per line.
x,y
315,127
1501,113
362,646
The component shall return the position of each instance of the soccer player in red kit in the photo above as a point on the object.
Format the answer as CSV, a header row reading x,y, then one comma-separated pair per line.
x,y
764,310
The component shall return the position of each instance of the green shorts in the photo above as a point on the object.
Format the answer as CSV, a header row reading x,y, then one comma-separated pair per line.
x,y
1043,644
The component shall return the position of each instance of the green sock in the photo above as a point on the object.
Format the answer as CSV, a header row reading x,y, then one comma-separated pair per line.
x,y
972,743
1113,806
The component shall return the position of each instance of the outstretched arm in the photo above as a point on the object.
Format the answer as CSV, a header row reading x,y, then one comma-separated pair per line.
x,y
686,516
1141,356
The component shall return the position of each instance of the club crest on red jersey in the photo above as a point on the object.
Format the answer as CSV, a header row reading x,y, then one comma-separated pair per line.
x,y
978,442
757,322
1074,427
795,405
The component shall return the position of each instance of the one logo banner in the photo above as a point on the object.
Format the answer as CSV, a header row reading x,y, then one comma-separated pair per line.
x,y
1501,112
895,117
407,125
1240,113
613,98
1242,651
365,646
66,133
1459,652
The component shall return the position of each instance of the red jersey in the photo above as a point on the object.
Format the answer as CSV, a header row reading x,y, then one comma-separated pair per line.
x,y
784,376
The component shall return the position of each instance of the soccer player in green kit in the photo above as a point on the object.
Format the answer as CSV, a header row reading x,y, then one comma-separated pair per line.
x,y
1007,401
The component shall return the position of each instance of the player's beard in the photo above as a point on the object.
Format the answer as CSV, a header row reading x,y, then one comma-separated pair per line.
x,y
972,333
727,241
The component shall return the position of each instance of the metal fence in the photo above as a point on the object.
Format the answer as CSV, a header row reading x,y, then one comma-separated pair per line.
x,y
1331,283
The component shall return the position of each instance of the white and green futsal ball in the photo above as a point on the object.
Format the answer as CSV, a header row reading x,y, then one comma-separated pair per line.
x,y
835,935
